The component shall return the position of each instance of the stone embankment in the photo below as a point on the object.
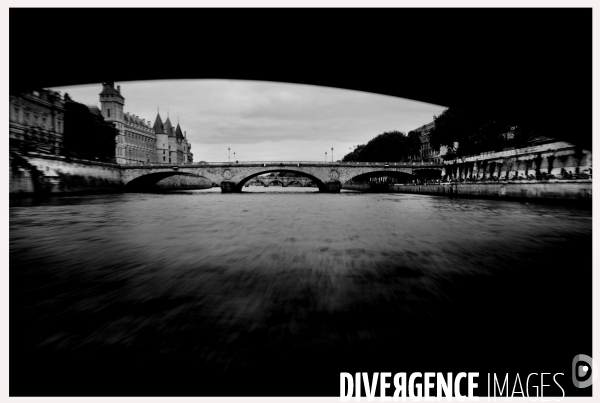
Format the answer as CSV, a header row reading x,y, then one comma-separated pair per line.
x,y
48,174
517,190
553,158
42,174
557,190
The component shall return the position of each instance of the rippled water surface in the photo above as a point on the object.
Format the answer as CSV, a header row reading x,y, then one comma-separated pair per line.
x,y
194,289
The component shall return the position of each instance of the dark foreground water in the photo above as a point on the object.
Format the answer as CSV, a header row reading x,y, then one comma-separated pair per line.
x,y
277,291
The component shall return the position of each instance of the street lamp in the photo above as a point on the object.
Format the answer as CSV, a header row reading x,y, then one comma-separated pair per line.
x,y
326,157
331,154
229,154
234,156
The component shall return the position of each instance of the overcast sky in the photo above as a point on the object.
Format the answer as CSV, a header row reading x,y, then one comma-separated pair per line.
x,y
266,121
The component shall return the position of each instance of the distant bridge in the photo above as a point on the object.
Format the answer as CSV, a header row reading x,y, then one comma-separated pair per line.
x,y
329,177
284,181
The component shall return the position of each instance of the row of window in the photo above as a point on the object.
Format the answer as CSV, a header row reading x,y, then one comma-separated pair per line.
x,y
140,138
133,158
141,155
35,120
123,151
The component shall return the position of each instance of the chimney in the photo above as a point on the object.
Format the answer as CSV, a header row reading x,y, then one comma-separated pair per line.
x,y
119,89
149,125
184,133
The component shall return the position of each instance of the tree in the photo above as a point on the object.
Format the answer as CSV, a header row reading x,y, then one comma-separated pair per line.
x,y
87,135
455,125
354,155
476,131
391,146
413,144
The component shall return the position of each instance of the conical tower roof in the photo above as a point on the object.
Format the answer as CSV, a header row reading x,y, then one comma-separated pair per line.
x,y
158,125
179,133
169,128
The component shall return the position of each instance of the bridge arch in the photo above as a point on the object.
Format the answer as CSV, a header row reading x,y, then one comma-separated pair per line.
x,y
321,185
261,180
365,177
148,181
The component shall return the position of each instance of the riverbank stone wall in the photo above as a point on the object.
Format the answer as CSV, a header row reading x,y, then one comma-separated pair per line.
x,y
41,173
548,190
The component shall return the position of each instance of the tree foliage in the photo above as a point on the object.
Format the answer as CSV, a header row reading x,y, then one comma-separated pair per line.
x,y
87,135
354,154
476,132
391,146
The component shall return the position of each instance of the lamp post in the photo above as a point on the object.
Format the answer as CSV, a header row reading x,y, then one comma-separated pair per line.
x,y
234,156
229,154
326,157
331,154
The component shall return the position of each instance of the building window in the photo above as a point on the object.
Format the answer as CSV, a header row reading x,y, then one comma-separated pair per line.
x,y
164,158
108,112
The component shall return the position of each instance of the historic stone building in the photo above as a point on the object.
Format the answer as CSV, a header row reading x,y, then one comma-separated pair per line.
x,y
37,121
171,144
138,142
428,153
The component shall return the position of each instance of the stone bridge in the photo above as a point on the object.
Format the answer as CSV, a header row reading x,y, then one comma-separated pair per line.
x,y
329,177
284,181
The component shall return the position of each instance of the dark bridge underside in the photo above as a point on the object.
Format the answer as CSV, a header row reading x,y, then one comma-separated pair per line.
x,y
379,174
543,54
400,176
148,182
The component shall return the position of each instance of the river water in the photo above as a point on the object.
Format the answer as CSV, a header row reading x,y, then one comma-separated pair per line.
x,y
204,293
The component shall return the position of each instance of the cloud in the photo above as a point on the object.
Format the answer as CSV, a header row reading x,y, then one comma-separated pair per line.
x,y
256,116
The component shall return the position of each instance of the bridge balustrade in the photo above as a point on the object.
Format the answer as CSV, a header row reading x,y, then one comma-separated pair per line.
x,y
287,163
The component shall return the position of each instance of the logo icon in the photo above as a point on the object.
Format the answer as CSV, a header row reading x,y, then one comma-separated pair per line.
x,y
584,370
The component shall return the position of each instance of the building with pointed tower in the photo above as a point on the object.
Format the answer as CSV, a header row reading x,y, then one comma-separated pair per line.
x,y
171,144
138,141
185,149
162,140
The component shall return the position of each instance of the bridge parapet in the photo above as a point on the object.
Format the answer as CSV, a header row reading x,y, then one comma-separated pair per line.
x,y
292,163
